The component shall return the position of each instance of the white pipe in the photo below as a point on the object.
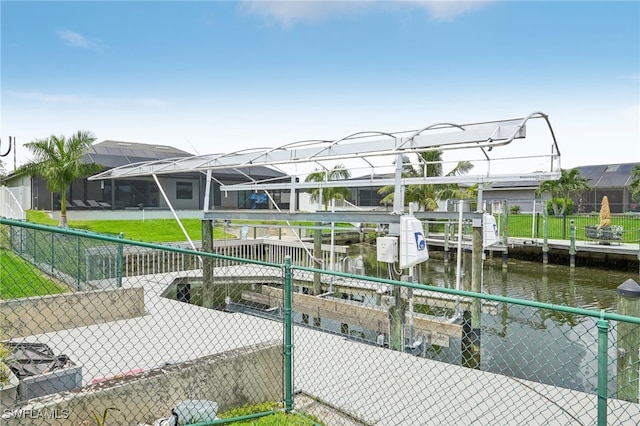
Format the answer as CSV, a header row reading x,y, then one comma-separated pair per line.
x,y
533,221
166,199
292,196
207,190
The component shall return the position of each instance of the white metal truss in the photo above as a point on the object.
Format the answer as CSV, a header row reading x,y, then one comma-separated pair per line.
x,y
364,146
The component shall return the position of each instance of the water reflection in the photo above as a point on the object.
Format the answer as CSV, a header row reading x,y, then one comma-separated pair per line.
x,y
534,344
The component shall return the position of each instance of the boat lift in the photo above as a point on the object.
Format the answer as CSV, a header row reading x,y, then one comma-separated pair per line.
x,y
373,152
367,151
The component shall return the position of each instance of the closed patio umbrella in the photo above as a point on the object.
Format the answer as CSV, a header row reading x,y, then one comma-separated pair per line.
x,y
605,213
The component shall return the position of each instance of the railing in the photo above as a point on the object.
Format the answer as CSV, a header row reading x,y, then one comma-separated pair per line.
x,y
85,263
381,351
530,226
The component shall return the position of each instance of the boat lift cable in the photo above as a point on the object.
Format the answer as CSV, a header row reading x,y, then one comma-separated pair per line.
x,y
175,215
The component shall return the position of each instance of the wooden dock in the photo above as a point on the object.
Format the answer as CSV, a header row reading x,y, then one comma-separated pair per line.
x,y
435,331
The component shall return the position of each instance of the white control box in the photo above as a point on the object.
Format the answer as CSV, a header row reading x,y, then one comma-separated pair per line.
x,y
387,249
413,247
490,230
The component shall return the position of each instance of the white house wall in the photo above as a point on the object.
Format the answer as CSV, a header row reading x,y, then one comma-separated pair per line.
x,y
20,187
170,188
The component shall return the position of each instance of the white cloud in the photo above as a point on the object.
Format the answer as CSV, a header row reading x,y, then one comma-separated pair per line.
x,y
290,12
78,40
449,9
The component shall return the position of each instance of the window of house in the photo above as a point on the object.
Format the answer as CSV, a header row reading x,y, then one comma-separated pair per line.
x,y
184,190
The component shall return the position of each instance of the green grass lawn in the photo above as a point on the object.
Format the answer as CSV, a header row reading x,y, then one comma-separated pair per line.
x,y
520,226
278,419
19,278
153,231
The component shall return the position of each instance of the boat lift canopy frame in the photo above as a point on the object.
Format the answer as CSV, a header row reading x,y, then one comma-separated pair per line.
x,y
364,146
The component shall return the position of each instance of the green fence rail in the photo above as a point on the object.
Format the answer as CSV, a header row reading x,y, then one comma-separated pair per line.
x,y
228,329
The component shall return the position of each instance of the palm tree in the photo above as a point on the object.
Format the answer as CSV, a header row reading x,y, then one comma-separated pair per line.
x,y
569,184
634,185
427,195
59,161
338,172
325,195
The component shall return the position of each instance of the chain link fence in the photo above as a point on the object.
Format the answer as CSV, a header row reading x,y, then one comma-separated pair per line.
x,y
199,328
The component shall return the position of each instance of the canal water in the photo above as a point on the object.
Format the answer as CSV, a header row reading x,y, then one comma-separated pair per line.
x,y
534,344
527,343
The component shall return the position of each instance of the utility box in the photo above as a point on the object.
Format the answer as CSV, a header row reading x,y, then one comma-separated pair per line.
x,y
387,249
489,230
413,246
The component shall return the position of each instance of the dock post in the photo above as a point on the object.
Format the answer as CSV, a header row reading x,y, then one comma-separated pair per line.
x,y
628,341
545,236
505,234
397,311
572,244
476,287
446,243
317,258
208,264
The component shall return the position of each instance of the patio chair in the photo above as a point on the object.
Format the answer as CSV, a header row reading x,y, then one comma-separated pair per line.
x,y
104,204
80,204
94,204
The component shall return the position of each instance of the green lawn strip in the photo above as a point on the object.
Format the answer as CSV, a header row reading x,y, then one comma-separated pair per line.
x,y
520,226
19,278
278,419
153,230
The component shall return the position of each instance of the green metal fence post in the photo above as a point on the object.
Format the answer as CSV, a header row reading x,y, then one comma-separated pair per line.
x,y
288,333
603,346
78,266
119,261
572,244
53,243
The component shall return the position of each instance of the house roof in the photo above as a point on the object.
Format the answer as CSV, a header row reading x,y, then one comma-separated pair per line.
x,y
111,154
117,153
599,176
608,175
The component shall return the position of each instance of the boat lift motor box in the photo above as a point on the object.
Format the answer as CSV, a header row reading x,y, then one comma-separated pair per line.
x,y
413,246
387,249
489,230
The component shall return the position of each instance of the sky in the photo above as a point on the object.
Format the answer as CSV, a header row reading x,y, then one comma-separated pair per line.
x,y
210,76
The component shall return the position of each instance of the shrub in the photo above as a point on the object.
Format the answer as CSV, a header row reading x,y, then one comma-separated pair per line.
x,y
5,354
560,202
515,209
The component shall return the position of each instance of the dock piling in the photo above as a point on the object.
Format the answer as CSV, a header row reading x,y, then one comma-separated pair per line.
x,y
572,244
628,341
208,265
446,243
